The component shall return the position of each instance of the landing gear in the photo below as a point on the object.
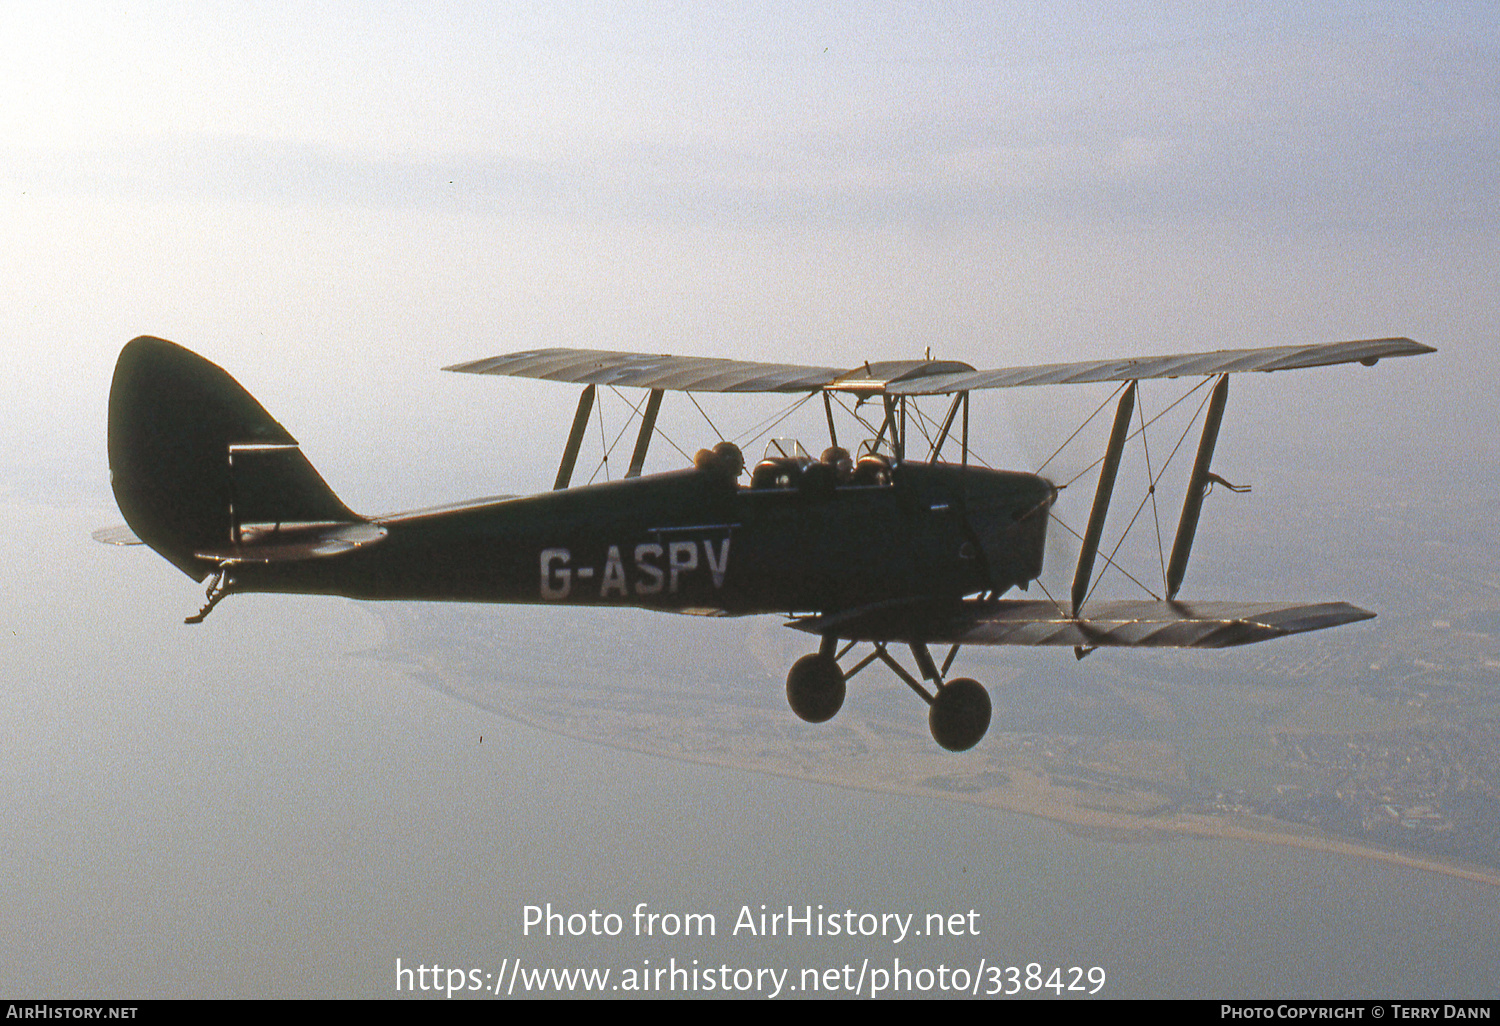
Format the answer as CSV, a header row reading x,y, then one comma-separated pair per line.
x,y
815,687
959,713
219,587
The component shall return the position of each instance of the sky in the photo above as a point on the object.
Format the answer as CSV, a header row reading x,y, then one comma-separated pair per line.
x,y
362,193
334,200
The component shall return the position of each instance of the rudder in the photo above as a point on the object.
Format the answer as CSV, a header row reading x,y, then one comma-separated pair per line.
x,y
193,457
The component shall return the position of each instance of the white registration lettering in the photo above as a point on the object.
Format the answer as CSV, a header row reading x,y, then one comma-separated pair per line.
x,y
556,583
650,584
614,574
682,556
719,565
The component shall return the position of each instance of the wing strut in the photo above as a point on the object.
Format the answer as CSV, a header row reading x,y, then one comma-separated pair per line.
x,y
966,430
575,439
888,402
959,400
1192,505
643,440
1102,496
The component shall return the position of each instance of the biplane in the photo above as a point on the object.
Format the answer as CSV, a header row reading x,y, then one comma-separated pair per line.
x,y
881,545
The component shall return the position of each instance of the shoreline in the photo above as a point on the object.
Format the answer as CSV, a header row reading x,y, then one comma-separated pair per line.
x,y
1038,799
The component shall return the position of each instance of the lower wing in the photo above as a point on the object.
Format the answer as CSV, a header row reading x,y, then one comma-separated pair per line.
x,y
1125,624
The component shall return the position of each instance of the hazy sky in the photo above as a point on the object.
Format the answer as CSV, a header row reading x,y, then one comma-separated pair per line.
x,y
333,200
372,191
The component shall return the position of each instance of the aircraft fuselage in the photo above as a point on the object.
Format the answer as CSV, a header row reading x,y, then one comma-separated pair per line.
x,y
695,541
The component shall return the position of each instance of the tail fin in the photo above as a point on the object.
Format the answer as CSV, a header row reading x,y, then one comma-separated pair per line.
x,y
193,458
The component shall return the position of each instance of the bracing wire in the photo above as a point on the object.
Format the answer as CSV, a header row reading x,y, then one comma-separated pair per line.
x,y
711,424
754,432
603,447
1079,431
854,412
1109,561
1168,409
1140,408
1151,495
635,411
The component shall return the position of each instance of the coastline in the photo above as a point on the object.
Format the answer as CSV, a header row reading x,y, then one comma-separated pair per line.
x,y
1025,791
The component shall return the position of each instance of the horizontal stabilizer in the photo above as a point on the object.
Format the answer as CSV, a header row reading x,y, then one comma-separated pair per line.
x,y
1123,624
296,542
119,534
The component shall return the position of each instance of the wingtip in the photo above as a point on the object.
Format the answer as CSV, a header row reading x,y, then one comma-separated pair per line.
x,y
1410,347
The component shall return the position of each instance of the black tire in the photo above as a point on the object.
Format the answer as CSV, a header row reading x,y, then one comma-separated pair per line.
x,y
815,688
960,714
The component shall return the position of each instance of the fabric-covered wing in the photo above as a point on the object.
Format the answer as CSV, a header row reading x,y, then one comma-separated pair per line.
x,y
643,370
910,377
1127,624
1223,361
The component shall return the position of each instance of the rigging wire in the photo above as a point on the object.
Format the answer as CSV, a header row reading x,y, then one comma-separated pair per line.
x,y
921,419
1109,561
635,410
1079,430
603,447
1140,408
746,437
1054,601
854,412
657,432
1151,493
711,424
1153,420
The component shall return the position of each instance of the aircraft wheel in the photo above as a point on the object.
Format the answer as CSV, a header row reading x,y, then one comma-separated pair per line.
x,y
959,715
815,688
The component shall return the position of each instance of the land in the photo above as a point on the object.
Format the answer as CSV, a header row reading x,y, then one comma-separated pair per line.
x,y
1378,739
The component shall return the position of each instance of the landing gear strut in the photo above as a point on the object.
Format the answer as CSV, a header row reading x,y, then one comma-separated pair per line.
x,y
958,713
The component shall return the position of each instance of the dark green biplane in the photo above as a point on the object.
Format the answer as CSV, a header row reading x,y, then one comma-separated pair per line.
x,y
875,546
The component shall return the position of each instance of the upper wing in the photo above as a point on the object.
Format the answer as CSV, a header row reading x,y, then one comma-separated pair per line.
x,y
910,377
1223,361
641,370
1128,623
